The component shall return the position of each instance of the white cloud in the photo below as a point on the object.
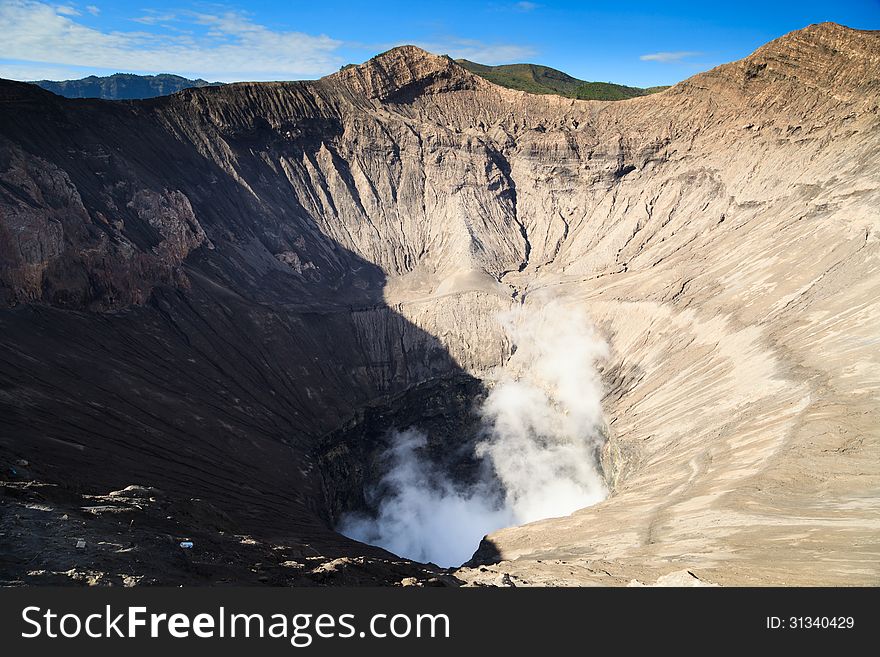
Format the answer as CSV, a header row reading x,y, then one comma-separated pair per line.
x,y
526,6
239,49
155,18
667,57
32,71
478,51
93,10
46,41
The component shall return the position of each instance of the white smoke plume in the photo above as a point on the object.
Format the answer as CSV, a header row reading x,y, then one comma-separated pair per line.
x,y
543,421
423,516
545,414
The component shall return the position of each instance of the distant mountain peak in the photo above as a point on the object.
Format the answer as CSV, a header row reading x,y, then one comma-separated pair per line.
x,y
404,68
122,86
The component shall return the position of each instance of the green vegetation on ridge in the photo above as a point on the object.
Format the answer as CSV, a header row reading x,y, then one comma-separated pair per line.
x,y
537,79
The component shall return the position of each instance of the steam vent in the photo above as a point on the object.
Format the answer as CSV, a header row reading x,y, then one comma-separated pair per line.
x,y
369,328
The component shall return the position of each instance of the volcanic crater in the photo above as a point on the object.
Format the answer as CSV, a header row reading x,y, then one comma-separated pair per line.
x,y
216,305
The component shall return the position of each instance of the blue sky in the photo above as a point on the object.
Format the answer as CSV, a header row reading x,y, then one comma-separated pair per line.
x,y
630,42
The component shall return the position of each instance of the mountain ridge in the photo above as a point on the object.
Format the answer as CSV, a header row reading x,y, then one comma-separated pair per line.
x,y
536,78
122,86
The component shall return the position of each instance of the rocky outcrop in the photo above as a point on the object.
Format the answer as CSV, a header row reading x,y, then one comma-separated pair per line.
x,y
199,288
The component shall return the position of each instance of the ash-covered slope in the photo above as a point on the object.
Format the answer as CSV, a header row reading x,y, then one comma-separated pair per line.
x,y
199,287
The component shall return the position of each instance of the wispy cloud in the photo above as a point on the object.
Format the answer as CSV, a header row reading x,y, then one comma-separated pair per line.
x,y
37,71
48,41
479,51
224,46
526,6
153,17
667,57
